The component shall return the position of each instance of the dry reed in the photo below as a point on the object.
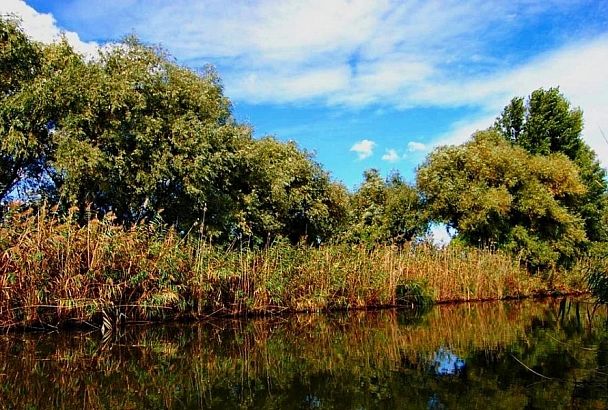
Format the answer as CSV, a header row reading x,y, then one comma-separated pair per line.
x,y
55,271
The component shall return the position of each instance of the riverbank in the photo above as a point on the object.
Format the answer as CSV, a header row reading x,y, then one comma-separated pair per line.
x,y
55,272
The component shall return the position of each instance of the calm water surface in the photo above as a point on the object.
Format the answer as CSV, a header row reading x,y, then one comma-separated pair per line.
x,y
545,355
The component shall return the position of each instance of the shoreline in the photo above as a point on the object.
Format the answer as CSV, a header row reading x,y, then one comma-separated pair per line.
x,y
278,313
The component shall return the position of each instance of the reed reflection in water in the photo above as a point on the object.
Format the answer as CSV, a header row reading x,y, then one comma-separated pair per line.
x,y
546,354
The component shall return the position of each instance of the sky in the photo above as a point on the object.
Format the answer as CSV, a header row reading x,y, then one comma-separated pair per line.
x,y
362,83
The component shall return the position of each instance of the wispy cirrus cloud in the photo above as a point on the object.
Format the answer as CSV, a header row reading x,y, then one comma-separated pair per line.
x,y
359,53
577,68
388,46
363,148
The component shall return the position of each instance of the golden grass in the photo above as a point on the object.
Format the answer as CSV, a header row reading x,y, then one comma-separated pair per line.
x,y
54,271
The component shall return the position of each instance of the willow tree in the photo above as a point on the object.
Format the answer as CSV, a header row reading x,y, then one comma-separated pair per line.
x,y
385,211
546,123
128,131
131,132
286,193
497,194
24,136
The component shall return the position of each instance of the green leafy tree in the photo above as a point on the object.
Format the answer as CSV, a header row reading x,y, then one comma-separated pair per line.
x,y
23,140
142,135
133,133
386,211
511,122
288,194
497,194
42,89
404,218
367,209
546,124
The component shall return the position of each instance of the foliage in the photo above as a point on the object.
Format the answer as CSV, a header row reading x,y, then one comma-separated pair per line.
x,y
548,124
24,139
594,268
598,284
496,194
132,133
544,124
386,211
150,136
289,194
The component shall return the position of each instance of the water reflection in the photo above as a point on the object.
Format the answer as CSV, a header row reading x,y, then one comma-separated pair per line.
x,y
446,363
451,357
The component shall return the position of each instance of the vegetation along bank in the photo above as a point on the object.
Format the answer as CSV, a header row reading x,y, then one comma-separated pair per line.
x,y
129,192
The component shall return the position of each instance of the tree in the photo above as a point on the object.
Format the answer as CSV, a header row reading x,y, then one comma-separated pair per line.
x,y
511,122
548,124
404,217
144,135
497,194
386,211
132,133
288,194
23,141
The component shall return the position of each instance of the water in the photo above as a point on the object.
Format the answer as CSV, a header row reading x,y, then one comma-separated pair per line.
x,y
549,354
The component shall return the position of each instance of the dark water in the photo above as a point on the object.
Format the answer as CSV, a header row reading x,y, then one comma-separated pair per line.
x,y
546,355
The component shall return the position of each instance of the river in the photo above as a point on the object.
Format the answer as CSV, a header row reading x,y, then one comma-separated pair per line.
x,y
532,354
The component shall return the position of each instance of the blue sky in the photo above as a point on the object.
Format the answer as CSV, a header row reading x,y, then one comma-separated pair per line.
x,y
363,83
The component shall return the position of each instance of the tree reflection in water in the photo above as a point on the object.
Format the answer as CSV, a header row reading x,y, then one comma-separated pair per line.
x,y
453,356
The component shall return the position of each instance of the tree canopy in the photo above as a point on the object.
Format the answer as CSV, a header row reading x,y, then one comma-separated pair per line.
x,y
386,211
546,123
133,133
497,194
529,184
25,141
289,194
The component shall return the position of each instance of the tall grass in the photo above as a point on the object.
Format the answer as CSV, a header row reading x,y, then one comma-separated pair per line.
x,y
55,271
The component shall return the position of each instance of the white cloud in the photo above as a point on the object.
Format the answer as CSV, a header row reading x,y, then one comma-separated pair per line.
x,y
364,148
578,69
355,53
414,146
42,27
382,51
278,87
390,155
462,130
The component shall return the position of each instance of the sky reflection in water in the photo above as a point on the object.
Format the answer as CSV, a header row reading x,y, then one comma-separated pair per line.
x,y
449,357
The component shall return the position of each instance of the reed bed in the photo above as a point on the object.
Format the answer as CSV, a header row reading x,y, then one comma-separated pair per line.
x,y
55,271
